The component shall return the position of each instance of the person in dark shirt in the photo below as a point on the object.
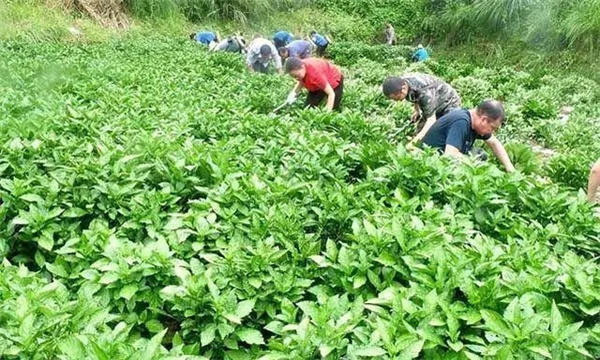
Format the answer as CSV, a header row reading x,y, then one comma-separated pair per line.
x,y
454,133
431,97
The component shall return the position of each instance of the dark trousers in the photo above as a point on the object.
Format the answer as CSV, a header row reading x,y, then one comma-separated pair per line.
x,y
258,67
313,99
321,50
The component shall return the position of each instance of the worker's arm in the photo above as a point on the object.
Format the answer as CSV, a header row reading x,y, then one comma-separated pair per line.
x,y
416,112
452,151
277,59
328,39
330,97
297,88
428,124
500,152
250,59
594,183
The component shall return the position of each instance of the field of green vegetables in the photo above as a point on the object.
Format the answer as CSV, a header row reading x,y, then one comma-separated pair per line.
x,y
151,208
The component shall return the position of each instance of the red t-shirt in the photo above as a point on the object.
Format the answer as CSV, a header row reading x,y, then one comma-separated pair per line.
x,y
319,73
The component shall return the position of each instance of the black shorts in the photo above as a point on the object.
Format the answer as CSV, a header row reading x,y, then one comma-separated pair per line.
x,y
321,50
313,99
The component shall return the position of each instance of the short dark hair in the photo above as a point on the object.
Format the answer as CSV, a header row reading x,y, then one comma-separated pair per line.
x,y
192,36
292,64
312,32
265,50
393,85
493,109
283,51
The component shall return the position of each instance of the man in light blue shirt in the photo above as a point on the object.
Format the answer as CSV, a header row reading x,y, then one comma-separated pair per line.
x,y
421,54
205,37
298,48
321,42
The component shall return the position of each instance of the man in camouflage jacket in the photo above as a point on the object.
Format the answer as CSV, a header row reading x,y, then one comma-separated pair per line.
x,y
431,96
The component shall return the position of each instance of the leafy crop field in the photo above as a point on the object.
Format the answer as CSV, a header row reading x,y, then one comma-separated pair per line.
x,y
151,208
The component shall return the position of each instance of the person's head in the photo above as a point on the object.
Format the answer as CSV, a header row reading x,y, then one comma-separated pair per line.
x,y
388,25
312,33
420,46
296,68
395,88
488,117
283,52
265,51
192,36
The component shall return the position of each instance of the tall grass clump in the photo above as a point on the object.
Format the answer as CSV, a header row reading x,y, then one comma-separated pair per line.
x,y
201,10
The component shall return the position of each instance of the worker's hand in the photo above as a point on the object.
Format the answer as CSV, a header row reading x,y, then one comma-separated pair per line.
x,y
280,70
412,147
291,98
415,141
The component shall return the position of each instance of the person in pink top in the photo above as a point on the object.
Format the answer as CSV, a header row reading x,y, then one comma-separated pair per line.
x,y
594,183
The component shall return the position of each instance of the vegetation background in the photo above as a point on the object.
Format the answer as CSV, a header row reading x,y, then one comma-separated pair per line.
x,y
533,34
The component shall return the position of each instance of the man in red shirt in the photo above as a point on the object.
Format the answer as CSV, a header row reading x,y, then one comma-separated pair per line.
x,y
321,78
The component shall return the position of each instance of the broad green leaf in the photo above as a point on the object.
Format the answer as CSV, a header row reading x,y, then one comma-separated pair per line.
x,y
244,308
541,350
590,310
371,351
495,323
74,213
20,221
320,260
46,242
128,291
274,356
250,336
208,334
556,321
154,326
325,350
175,223
152,347
359,280
32,198
472,356
238,355
233,318
99,352
57,270
72,347
109,278
511,310
274,326
569,330
369,228
412,351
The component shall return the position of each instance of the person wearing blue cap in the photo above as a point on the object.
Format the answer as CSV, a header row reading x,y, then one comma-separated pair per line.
x,y
205,38
282,38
